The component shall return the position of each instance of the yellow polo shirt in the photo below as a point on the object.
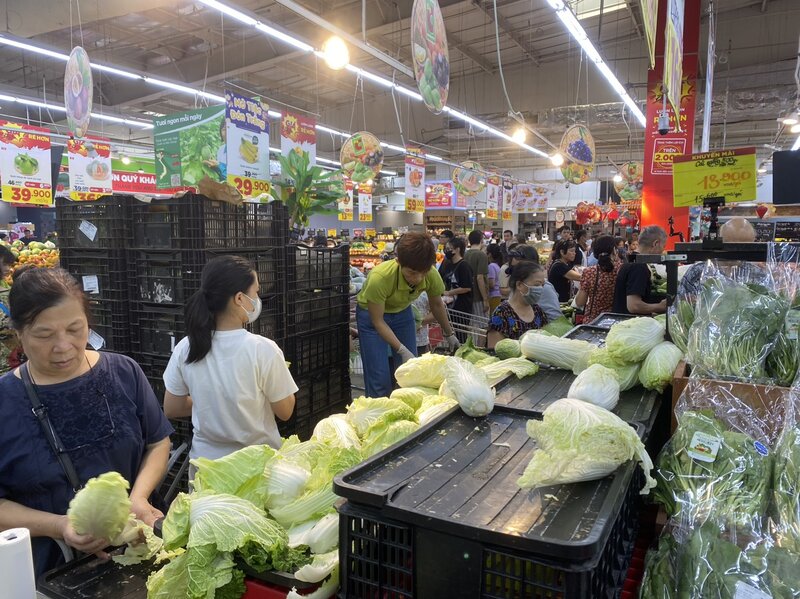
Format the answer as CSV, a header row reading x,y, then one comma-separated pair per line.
x,y
386,285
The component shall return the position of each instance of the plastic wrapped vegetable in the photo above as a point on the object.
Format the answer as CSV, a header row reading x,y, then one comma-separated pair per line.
x,y
554,351
578,441
659,366
786,483
469,386
598,385
631,340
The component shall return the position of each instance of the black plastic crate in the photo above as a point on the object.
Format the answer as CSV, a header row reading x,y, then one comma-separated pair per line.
x,y
586,332
91,578
102,274
110,321
156,329
103,224
270,322
196,222
171,277
317,350
310,268
440,515
608,319
319,395
153,368
319,309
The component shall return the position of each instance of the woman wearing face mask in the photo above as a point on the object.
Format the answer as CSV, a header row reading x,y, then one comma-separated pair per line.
x,y
231,382
521,312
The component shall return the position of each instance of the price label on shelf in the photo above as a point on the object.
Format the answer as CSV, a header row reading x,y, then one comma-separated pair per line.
x,y
249,187
730,174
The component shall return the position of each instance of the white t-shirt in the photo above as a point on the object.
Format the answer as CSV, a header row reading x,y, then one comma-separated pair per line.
x,y
232,389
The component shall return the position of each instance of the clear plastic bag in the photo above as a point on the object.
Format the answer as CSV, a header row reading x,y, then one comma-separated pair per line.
x,y
786,476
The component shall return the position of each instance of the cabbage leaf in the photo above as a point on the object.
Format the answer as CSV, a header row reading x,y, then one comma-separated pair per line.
x,y
659,366
366,412
468,384
386,434
240,473
425,371
413,396
521,367
336,431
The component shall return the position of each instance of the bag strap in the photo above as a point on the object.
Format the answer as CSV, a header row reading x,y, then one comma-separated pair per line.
x,y
40,411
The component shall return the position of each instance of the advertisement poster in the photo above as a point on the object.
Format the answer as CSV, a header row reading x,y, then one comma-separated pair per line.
x,y
650,20
508,199
25,164
728,174
189,146
364,204
138,176
493,193
361,157
346,203
299,134
439,195
673,52
89,168
529,199
415,180
78,88
247,141
431,57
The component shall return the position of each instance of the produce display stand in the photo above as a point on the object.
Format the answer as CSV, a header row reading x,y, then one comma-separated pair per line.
x,y
608,319
590,333
441,515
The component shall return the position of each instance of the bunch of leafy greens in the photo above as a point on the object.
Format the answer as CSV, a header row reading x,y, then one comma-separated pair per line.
x,y
577,442
786,485
681,317
736,326
731,487
783,360
559,327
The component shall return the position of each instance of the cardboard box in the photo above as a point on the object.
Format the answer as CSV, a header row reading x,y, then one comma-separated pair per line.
x,y
764,400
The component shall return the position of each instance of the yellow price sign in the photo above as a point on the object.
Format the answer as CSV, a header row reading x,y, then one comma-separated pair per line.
x,y
346,215
369,233
332,233
21,194
729,174
414,205
85,196
365,218
249,187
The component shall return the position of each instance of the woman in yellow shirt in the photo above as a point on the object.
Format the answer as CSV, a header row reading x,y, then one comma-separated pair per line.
x,y
384,315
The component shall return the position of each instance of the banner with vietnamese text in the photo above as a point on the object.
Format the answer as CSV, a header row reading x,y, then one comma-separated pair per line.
x,y
415,180
299,134
25,174
364,204
247,141
89,168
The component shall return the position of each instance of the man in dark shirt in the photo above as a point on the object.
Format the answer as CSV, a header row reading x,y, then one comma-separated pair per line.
x,y
459,286
444,268
632,293
581,252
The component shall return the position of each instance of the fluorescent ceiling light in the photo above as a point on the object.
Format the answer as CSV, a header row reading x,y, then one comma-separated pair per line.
x,y
231,12
434,157
36,49
796,145
576,29
115,71
272,32
183,88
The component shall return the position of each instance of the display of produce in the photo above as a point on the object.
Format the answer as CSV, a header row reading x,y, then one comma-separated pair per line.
x,y
35,253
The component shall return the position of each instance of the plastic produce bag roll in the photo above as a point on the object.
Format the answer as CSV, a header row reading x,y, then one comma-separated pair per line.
x,y
16,564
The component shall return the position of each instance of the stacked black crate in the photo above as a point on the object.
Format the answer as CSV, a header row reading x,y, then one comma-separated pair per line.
x,y
172,241
93,237
317,333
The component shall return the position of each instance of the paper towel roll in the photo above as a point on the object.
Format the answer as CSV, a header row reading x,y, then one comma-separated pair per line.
x,y
16,564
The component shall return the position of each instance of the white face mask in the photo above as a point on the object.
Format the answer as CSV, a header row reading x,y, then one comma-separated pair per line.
x,y
252,316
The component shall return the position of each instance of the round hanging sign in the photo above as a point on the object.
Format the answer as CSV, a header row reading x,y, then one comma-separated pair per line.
x,y
630,188
78,88
577,145
431,57
576,173
361,157
468,178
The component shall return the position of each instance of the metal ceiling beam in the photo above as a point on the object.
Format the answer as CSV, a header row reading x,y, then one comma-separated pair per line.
x,y
632,15
350,39
454,41
506,28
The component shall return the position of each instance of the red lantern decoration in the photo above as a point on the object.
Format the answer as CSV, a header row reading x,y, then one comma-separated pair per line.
x,y
762,210
625,221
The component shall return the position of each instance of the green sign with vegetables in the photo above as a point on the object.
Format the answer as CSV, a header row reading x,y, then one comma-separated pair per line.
x,y
190,146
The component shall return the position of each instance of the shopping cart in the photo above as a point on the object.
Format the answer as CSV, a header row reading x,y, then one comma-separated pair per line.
x,y
464,325
356,365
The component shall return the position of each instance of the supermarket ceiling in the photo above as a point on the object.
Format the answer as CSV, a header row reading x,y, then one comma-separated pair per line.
x,y
546,78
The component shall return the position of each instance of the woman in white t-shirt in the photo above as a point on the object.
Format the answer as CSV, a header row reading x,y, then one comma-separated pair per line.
x,y
231,382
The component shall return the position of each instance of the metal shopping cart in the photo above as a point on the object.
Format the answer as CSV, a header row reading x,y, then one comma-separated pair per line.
x,y
356,365
464,325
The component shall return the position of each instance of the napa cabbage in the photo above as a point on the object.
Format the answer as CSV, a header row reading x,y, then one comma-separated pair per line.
x,y
553,351
578,441
627,374
598,385
433,406
336,431
102,507
366,412
631,340
319,536
659,366
413,396
320,568
285,481
497,371
425,371
507,348
240,473
387,433
470,387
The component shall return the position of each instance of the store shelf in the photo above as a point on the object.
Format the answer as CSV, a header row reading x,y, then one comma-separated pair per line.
x,y
440,514
102,224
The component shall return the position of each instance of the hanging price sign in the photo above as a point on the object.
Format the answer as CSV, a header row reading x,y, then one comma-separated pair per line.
x,y
729,174
25,164
248,186
89,169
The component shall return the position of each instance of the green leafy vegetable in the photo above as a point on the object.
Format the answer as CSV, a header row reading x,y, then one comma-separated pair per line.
x,y
102,507
413,396
386,434
627,374
578,441
631,340
782,361
597,385
366,412
553,351
285,482
659,366
336,431
433,406
468,385
470,353
497,371
786,482
240,473
559,327
507,348
425,371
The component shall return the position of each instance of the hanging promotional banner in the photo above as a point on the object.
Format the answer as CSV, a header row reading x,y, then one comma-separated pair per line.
x,y
415,180
189,146
299,134
493,194
673,53
508,199
364,204
346,202
89,168
25,174
469,178
529,199
439,195
247,141
729,174
650,20
431,57
78,87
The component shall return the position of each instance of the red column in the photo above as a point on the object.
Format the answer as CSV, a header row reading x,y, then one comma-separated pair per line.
x,y
659,150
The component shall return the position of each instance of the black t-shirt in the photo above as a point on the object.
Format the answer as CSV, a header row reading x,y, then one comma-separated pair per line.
x,y
460,276
559,281
578,257
444,269
633,279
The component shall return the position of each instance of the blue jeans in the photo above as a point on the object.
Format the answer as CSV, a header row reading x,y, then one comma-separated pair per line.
x,y
375,351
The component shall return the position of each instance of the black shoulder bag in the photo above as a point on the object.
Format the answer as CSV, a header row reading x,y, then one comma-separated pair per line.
x,y
40,411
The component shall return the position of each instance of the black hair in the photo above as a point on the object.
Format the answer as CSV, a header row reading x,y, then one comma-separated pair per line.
x,y
618,240
222,278
37,289
562,247
580,234
522,271
457,243
509,231
603,249
522,238
7,256
495,253
524,252
475,237
447,233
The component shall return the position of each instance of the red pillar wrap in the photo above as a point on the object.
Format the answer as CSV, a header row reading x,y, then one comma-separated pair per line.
x,y
659,150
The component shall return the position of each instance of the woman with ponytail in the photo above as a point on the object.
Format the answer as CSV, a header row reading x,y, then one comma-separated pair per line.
x,y
231,382
596,294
